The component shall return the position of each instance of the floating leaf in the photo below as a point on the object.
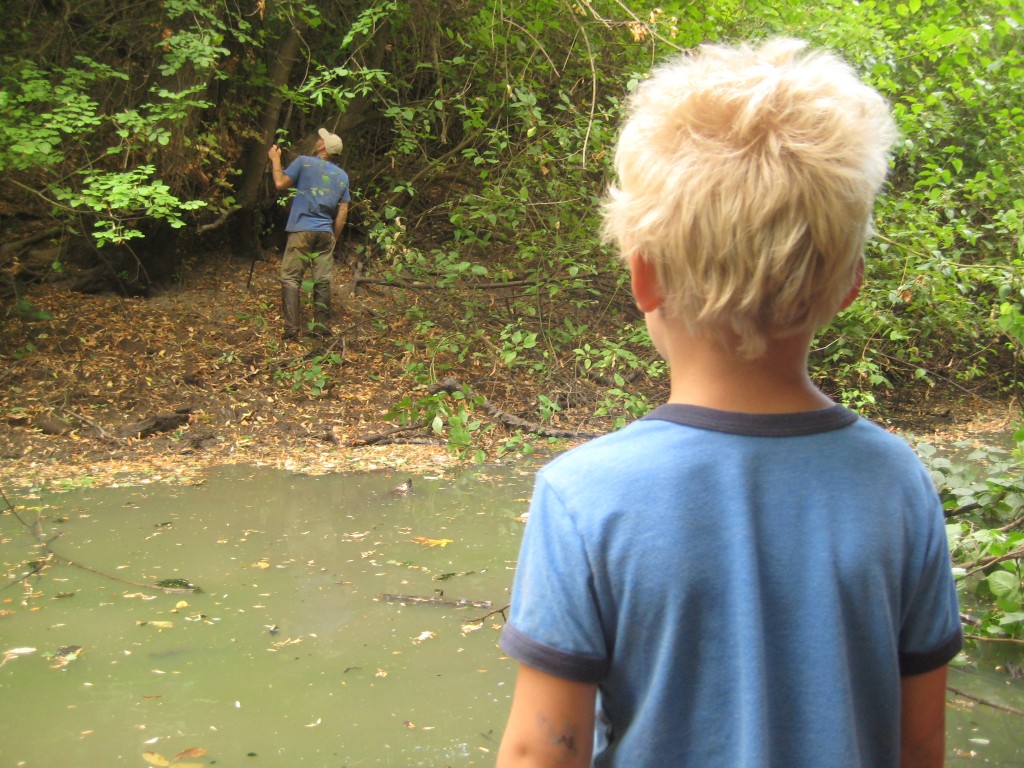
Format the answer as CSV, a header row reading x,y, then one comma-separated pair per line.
x,y
432,542
155,758
157,624
184,584
190,753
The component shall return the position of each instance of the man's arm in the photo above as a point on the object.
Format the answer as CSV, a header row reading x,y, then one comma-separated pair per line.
x,y
281,179
551,723
339,219
923,720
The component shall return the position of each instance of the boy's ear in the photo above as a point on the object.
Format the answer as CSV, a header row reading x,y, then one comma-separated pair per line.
x,y
644,281
858,281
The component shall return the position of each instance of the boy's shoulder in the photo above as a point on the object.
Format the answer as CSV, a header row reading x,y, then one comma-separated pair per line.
x,y
676,435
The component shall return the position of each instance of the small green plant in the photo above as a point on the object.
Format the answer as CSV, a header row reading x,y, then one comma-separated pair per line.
x,y
313,375
450,416
515,344
624,405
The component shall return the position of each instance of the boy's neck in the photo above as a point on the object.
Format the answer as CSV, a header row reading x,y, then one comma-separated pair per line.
x,y
705,373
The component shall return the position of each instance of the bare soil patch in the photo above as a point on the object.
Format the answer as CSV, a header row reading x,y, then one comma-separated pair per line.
x,y
102,388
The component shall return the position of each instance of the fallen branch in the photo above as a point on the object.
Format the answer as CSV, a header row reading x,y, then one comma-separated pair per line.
x,y
104,435
984,562
383,438
987,639
160,422
417,600
986,702
52,557
503,611
451,385
20,245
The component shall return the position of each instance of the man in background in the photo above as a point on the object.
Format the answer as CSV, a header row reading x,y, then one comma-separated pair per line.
x,y
318,213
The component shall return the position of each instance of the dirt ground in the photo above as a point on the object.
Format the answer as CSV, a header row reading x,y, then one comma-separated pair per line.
x,y
103,389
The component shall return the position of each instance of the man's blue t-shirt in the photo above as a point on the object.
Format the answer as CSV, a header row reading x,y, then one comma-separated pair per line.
x,y
745,590
320,187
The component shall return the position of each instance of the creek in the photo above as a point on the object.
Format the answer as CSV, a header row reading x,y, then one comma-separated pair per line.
x,y
293,653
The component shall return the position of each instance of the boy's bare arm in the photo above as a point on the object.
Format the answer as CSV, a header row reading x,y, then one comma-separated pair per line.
x,y
551,723
923,720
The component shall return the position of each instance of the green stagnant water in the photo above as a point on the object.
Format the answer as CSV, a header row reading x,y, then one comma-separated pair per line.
x,y
290,655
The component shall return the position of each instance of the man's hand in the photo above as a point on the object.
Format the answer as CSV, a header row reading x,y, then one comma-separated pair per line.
x,y
281,179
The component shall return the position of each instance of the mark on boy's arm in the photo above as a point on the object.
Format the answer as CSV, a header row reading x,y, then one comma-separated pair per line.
x,y
563,739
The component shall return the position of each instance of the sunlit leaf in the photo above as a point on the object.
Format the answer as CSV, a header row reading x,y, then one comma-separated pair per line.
x,y
155,758
426,542
190,753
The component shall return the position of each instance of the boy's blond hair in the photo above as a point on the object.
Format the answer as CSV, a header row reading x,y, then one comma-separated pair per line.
x,y
746,177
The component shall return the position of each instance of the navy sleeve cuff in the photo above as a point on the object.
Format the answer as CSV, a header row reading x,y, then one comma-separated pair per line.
x,y
919,663
570,666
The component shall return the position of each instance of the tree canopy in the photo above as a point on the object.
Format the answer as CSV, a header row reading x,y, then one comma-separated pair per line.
x,y
478,138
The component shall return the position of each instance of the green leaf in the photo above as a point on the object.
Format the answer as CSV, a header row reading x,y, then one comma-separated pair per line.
x,y
1004,585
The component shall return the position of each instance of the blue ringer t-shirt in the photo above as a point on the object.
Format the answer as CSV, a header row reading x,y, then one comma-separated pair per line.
x,y
320,187
745,589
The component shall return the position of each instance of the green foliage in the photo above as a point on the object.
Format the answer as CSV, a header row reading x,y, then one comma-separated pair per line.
x,y
119,200
312,374
948,252
983,494
450,416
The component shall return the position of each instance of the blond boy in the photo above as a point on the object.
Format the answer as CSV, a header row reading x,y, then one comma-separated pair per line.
x,y
751,575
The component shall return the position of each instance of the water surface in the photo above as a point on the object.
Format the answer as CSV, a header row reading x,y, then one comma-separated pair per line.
x,y
289,656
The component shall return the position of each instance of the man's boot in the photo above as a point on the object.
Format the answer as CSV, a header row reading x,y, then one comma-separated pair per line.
x,y
290,311
322,310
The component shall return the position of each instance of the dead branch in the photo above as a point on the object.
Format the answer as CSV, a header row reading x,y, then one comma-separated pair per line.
x,y
486,616
160,422
984,562
104,435
438,600
52,556
986,702
987,639
383,438
452,385
19,245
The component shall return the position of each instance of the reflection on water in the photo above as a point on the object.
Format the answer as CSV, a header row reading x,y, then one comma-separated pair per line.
x,y
287,657
985,719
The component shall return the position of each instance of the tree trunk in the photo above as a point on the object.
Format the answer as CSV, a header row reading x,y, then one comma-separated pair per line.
x,y
256,156
247,222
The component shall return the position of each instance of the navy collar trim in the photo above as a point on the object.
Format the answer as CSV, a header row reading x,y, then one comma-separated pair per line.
x,y
756,424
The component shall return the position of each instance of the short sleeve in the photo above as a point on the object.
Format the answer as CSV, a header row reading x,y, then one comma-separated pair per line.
x,y
930,632
554,624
